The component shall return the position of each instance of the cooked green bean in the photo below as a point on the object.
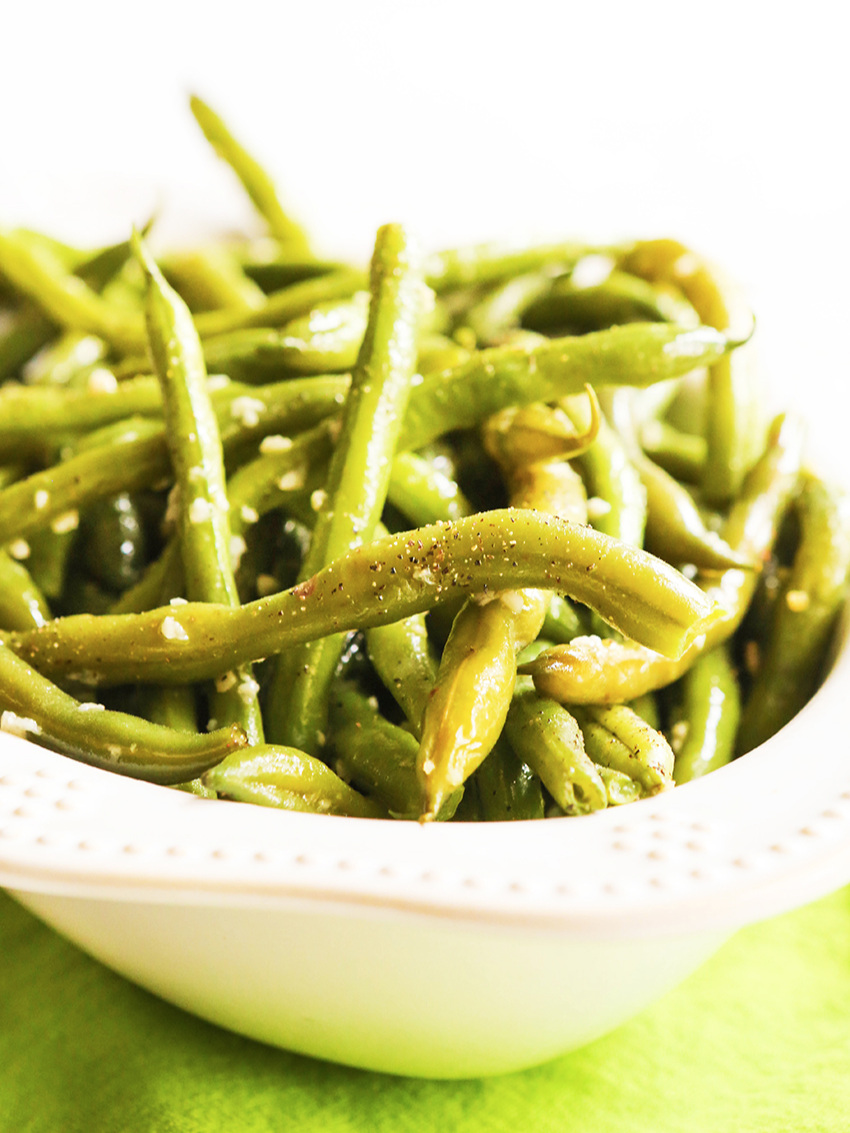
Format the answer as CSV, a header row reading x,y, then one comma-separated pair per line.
x,y
620,298
256,182
356,487
288,779
198,461
703,728
402,657
616,737
377,756
112,740
590,670
638,354
22,605
791,660
508,789
548,738
388,579
733,432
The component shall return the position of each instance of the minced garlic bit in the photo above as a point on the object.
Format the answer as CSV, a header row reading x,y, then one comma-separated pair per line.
x,y
274,442
226,681
68,521
591,270
267,584
17,725
178,601
294,479
238,547
513,599
172,630
797,601
212,724
597,507
428,767
41,499
102,380
247,410
217,381
249,514
678,735
200,510
318,498
92,706
248,689
19,549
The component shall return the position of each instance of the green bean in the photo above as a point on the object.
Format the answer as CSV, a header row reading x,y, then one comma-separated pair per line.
x,y
674,526
493,263
111,740
25,409
593,671
94,473
548,738
508,789
705,722
161,581
619,788
388,579
679,453
288,779
422,492
283,465
377,756
198,462
22,605
620,298
208,278
619,507
65,298
502,309
563,621
114,542
401,655
804,617
327,338
255,181
282,306
732,417
646,706
638,354
467,708
357,481
618,738
280,272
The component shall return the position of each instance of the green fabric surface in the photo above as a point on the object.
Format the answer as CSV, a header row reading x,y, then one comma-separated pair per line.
x,y
757,1041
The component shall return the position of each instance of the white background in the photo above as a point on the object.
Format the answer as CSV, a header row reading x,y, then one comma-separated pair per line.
x,y
722,124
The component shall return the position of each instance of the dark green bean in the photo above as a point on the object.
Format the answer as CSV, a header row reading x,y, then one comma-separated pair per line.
x,y
804,617
703,728
508,790
112,740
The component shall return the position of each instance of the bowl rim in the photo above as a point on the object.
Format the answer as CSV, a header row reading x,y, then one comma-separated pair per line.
x,y
750,840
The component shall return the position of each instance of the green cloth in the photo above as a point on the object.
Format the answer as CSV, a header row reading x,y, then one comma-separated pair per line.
x,y
757,1040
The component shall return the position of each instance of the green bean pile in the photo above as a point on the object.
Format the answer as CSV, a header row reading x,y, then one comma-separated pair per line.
x,y
493,534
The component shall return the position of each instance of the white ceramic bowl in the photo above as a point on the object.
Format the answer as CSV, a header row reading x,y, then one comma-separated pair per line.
x,y
443,950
